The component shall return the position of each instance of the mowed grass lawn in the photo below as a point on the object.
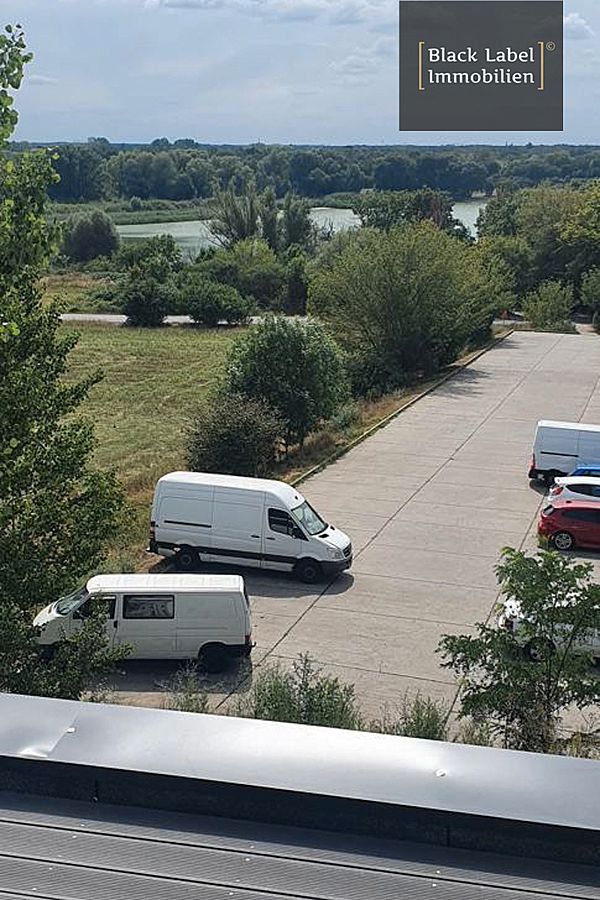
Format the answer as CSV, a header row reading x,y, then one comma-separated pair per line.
x,y
153,381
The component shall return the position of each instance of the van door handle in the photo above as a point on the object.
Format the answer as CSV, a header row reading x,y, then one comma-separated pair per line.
x,y
257,536
115,624
270,539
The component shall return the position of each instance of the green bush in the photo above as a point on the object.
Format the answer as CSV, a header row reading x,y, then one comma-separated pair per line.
x,y
234,435
303,695
106,299
184,692
418,717
209,302
295,367
90,236
549,307
146,302
590,290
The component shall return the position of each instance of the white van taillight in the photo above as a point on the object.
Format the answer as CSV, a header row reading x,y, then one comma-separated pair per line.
x,y
152,531
248,639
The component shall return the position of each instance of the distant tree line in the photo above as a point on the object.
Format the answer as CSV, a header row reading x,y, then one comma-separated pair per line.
x,y
185,170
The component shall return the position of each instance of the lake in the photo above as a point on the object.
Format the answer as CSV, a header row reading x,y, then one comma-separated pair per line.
x,y
192,236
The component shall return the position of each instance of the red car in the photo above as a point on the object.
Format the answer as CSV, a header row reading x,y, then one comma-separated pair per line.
x,y
571,523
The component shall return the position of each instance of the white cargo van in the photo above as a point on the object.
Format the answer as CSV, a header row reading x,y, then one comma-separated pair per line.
x,y
205,617
559,446
199,517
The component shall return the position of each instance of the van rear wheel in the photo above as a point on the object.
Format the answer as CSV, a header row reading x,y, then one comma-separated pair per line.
x,y
562,540
213,658
186,560
309,571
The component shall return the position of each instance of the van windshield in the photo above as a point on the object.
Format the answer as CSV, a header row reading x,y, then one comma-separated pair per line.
x,y
67,604
309,518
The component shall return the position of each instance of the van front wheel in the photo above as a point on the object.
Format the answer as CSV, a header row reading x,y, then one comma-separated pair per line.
x,y
186,560
309,571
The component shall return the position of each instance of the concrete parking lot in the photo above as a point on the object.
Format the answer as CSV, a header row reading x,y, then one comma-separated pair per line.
x,y
429,501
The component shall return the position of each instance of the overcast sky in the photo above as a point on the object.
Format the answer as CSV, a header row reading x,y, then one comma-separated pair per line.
x,y
239,71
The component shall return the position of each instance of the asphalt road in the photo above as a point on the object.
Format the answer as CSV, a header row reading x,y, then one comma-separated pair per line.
x,y
429,501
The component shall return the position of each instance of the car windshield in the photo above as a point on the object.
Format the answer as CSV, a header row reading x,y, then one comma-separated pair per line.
x,y
67,604
308,518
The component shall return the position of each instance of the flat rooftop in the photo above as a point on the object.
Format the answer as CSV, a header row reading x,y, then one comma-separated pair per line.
x,y
55,848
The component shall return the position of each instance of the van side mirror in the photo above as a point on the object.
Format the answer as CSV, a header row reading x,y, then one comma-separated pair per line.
x,y
296,533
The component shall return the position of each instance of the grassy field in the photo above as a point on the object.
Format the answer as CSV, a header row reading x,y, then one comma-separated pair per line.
x,y
73,290
153,380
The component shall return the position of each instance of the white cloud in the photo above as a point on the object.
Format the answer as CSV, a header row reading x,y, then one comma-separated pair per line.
x,y
576,27
364,62
337,12
41,79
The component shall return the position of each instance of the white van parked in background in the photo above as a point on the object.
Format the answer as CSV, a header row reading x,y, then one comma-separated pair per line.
x,y
199,517
205,617
559,446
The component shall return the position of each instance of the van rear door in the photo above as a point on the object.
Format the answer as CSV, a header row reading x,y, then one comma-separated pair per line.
x,y
237,534
589,446
184,518
147,623
556,448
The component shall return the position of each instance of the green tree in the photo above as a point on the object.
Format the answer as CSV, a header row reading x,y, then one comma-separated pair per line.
x,y
295,367
404,302
590,291
387,209
252,268
209,302
296,227
146,301
234,435
520,680
234,217
57,512
269,218
90,236
549,307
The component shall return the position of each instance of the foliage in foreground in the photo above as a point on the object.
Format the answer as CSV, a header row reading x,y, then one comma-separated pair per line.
x,y
519,699
56,511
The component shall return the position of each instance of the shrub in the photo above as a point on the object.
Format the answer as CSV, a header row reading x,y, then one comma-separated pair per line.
x,y
146,302
295,367
418,717
549,307
590,290
106,299
251,267
234,435
209,302
90,236
303,695
184,692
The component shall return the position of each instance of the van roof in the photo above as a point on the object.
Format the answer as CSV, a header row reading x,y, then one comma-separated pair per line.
x,y
151,583
284,492
573,426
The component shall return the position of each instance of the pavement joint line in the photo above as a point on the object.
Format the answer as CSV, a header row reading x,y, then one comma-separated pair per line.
x,y
368,671
375,615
